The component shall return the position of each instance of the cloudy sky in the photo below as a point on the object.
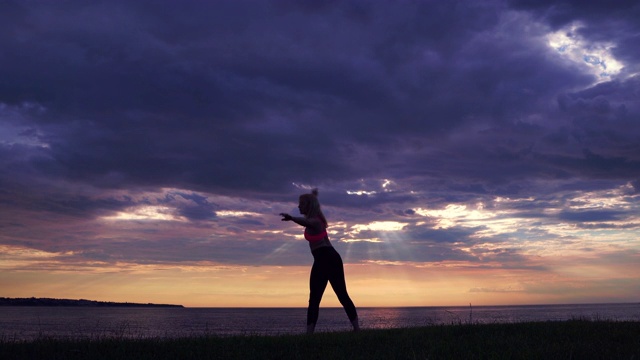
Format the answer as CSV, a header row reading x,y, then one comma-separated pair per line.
x,y
483,152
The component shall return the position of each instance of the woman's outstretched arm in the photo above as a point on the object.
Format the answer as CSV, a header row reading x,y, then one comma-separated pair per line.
x,y
302,221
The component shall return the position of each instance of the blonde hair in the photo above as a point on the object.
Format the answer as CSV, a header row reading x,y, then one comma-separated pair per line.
x,y
314,206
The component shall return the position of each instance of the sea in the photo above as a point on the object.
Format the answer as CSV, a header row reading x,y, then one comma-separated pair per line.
x,y
30,323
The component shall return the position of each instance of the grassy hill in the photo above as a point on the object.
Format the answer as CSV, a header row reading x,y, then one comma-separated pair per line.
x,y
575,339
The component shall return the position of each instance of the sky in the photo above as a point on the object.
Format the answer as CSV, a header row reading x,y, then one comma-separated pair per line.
x,y
465,152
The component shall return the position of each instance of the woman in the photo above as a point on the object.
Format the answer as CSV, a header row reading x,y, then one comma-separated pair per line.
x,y
327,263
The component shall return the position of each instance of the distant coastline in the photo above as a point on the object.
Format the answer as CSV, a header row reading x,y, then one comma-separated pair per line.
x,y
77,303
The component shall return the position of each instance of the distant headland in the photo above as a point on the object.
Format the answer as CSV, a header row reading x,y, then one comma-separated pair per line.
x,y
69,302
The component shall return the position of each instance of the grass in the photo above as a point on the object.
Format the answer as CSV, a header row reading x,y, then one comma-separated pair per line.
x,y
575,339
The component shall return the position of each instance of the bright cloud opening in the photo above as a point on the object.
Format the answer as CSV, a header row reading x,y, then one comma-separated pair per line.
x,y
380,226
361,192
452,214
158,213
232,213
597,56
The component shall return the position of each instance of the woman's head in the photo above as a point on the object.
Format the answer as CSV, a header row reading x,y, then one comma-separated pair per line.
x,y
309,206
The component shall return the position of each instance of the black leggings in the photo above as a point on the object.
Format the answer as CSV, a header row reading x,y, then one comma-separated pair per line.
x,y
327,267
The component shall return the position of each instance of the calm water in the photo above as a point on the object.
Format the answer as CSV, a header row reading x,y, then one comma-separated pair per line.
x,y
77,322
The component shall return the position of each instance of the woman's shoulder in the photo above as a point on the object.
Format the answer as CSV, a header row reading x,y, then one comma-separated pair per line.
x,y
316,223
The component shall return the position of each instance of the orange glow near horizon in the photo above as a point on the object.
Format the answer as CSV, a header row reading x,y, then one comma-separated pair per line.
x,y
370,285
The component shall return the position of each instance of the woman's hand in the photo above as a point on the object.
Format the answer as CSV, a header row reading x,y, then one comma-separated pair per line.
x,y
286,217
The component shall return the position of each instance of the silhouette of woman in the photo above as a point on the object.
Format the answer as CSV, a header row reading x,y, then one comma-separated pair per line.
x,y
327,263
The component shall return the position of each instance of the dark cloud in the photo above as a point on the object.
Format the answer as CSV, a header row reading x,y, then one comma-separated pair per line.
x,y
62,202
592,215
162,101
599,225
192,206
451,235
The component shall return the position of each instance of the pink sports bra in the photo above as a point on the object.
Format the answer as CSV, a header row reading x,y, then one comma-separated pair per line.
x,y
316,237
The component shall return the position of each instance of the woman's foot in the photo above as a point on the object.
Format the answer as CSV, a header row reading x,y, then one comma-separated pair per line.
x,y
356,325
311,328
